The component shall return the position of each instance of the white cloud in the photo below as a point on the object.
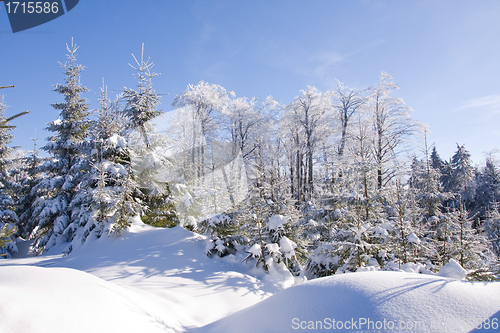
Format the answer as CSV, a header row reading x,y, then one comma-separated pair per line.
x,y
490,104
324,61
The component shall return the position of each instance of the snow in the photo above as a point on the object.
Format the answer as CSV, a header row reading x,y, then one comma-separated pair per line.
x,y
255,250
152,279
453,270
287,245
412,238
35,299
276,221
118,141
273,247
405,302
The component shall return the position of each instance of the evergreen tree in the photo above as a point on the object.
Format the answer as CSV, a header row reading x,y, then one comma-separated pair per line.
x,y
8,218
436,162
91,207
142,103
461,171
407,223
142,192
487,188
225,234
492,226
354,242
274,233
29,192
68,163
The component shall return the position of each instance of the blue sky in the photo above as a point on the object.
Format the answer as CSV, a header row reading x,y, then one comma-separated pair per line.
x,y
444,55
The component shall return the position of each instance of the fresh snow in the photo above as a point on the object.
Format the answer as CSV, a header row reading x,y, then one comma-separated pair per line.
x,y
166,268
453,270
403,302
160,280
412,238
276,221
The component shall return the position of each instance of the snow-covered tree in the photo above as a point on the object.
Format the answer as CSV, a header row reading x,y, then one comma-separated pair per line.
x,y
273,232
492,226
461,171
455,237
28,195
142,103
205,101
347,103
8,218
308,116
405,216
224,232
391,125
141,187
353,242
487,187
68,163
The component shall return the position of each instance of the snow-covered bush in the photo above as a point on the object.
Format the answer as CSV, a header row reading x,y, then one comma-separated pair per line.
x,y
225,234
273,242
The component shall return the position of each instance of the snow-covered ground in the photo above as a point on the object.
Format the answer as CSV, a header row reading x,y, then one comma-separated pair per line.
x,y
160,280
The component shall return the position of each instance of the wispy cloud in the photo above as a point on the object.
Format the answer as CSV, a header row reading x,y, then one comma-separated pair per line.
x,y
323,62
490,104
317,62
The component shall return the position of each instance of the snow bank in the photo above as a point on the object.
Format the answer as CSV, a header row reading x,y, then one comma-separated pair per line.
x,y
150,279
168,268
402,302
35,299
453,270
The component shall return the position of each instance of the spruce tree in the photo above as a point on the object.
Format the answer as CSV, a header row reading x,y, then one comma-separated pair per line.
x,y
461,171
68,163
8,218
487,188
141,193
29,195
142,103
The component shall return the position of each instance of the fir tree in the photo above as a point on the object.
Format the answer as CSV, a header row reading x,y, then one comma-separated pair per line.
x,y
141,193
436,162
461,171
225,234
8,218
29,192
274,233
68,163
487,188
142,103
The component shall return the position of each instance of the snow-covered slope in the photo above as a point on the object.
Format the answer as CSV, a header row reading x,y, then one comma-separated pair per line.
x,y
151,279
372,302
166,266
35,299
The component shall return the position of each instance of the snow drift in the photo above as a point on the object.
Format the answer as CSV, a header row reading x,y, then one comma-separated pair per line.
x,y
160,280
372,301
36,299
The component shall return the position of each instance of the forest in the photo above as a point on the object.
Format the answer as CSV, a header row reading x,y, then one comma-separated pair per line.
x,y
332,182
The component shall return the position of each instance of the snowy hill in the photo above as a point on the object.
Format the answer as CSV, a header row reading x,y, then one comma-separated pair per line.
x,y
160,280
372,301
156,277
